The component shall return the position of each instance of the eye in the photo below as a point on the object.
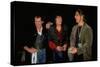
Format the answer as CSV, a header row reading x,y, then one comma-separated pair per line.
x,y
77,15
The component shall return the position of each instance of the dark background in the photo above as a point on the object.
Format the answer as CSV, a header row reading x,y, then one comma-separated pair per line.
x,y
22,18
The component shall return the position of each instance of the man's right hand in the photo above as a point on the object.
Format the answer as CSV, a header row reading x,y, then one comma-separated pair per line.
x,y
30,50
73,50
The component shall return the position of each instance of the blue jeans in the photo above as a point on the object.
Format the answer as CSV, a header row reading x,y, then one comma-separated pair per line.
x,y
41,56
58,56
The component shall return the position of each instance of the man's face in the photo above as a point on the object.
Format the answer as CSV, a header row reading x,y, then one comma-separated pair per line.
x,y
78,17
38,22
58,20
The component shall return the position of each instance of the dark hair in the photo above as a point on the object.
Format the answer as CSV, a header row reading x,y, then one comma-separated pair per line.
x,y
55,21
38,17
33,20
81,13
58,16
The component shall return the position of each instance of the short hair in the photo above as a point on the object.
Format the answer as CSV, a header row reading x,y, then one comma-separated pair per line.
x,y
38,17
58,16
33,20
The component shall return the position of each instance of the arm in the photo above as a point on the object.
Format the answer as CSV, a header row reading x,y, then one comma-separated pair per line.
x,y
72,38
72,49
53,36
87,46
30,50
52,45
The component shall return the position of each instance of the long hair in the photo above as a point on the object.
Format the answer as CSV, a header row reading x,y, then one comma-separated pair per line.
x,y
81,14
55,20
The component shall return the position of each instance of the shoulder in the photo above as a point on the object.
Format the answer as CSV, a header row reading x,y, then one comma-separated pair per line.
x,y
74,27
88,27
52,28
65,27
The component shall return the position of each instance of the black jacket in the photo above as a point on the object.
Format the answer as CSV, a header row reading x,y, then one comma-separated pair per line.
x,y
31,43
53,36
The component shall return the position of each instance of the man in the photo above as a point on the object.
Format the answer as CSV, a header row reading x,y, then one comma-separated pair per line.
x,y
80,39
39,42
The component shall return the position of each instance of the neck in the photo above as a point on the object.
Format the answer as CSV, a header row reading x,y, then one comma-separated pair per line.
x,y
58,28
58,25
81,23
38,29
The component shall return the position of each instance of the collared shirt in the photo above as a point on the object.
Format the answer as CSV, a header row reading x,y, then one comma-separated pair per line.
x,y
40,32
77,36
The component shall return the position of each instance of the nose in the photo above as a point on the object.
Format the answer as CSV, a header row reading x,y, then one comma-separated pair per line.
x,y
75,17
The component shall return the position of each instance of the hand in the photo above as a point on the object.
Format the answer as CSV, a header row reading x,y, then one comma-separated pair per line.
x,y
30,50
59,48
74,50
64,47
48,25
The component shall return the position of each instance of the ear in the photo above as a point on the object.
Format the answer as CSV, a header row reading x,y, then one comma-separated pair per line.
x,y
82,17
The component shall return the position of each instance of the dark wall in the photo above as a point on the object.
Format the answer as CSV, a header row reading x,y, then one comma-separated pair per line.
x,y
23,14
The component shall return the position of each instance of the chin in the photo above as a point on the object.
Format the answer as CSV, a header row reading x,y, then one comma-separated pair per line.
x,y
76,22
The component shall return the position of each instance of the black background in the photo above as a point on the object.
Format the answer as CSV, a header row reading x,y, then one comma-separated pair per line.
x,y
22,17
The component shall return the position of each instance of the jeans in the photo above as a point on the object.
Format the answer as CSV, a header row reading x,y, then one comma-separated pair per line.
x,y
41,56
58,56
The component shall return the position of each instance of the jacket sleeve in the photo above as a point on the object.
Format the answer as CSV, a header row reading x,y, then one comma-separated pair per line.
x,y
52,45
72,38
53,36
87,46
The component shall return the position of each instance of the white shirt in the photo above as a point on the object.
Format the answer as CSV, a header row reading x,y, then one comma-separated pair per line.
x,y
40,32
